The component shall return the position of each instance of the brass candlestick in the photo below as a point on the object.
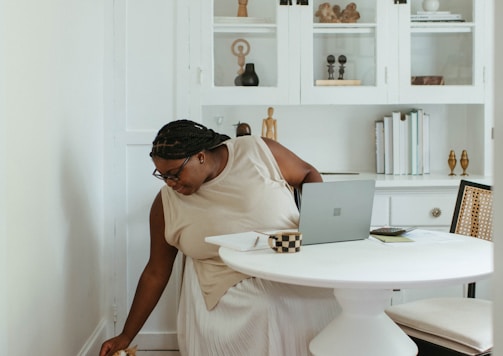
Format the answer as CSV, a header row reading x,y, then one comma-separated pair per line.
x,y
463,161
452,162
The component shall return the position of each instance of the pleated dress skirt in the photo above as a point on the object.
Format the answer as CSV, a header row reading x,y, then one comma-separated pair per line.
x,y
254,318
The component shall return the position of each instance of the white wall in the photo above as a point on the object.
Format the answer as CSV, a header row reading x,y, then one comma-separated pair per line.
x,y
498,190
52,167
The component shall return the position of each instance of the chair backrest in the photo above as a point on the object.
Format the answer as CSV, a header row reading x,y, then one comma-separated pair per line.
x,y
473,213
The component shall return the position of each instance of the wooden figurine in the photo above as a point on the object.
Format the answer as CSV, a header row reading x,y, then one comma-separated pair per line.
x,y
242,9
238,49
349,14
328,14
269,128
452,162
463,161
325,13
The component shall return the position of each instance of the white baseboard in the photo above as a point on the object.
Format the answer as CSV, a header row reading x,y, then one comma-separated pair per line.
x,y
93,343
156,341
145,341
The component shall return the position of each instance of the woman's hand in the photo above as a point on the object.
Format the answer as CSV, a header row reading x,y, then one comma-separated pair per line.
x,y
109,347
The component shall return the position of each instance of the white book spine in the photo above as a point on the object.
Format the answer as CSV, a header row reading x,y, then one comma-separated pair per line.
x,y
388,145
436,17
379,132
406,145
426,143
397,159
420,138
413,142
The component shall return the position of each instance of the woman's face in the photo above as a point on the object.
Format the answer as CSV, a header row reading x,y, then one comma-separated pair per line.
x,y
183,175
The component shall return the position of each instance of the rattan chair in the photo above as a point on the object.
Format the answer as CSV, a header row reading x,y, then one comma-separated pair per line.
x,y
455,326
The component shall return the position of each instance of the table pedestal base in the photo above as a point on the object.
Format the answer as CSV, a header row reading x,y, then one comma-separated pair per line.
x,y
362,328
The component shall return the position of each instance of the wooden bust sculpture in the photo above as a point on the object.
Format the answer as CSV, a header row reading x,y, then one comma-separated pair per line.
x,y
269,128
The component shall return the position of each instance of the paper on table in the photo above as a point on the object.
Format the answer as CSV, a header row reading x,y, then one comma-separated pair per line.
x,y
242,241
385,238
426,236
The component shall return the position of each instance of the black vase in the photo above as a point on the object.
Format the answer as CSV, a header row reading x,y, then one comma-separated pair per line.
x,y
249,78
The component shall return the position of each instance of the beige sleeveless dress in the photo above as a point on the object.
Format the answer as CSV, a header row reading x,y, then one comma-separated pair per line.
x,y
224,312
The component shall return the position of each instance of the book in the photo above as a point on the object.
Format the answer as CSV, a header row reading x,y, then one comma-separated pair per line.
x,y
389,239
421,12
379,133
397,153
405,122
388,145
436,17
426,143
420,168
413,142
338,82
242,241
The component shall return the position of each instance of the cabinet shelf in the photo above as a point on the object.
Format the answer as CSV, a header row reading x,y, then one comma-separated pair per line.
x,y
442,27
334,29
243,25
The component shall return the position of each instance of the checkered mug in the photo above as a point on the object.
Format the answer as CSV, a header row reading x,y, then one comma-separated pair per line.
x,y
286,241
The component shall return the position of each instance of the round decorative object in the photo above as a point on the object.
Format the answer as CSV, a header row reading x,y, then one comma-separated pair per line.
x,y
249,78
431,5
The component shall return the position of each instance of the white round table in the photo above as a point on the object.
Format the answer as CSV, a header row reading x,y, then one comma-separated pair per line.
x,y
363,275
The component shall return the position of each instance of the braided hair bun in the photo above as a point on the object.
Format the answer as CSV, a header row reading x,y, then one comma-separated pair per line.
x,y
184,138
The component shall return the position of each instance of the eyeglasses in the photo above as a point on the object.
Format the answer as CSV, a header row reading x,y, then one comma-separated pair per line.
x,y
174,177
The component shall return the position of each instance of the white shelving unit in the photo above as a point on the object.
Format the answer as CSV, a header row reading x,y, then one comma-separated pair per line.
x,y
384,49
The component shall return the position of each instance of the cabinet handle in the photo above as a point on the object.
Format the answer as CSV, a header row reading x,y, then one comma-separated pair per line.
x,y
303,2
285,2
436,212
400,2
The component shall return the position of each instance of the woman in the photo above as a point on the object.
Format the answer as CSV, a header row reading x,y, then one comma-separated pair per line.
x,y
214,186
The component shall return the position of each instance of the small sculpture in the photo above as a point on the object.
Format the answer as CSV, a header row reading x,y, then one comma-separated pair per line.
x,y
325,13
269,128
330,65
243,129
463,161
349,14
452,162
238,49
242,10
342,60
328,14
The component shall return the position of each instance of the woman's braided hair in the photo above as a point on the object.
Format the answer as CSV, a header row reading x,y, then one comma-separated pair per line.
x,y
184,138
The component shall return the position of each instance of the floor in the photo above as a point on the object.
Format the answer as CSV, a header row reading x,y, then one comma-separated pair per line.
x,y
157,353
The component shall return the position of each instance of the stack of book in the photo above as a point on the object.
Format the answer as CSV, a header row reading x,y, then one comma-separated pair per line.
x,y
403,143
436,16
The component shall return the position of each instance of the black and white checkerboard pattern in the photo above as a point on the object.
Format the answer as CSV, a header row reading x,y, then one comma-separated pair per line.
x,y
287,242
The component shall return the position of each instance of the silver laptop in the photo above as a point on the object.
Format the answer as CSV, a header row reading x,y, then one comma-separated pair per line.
x,y
336,211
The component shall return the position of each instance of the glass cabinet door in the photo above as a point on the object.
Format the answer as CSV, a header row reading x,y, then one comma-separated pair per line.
x,y
342,56
236,35
442,52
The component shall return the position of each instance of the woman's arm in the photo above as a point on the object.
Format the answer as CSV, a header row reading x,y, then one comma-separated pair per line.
x,y
295,170
152,282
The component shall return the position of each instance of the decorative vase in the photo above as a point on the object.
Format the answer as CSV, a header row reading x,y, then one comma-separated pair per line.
x,y
464,161
452,162
249,78
431,5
